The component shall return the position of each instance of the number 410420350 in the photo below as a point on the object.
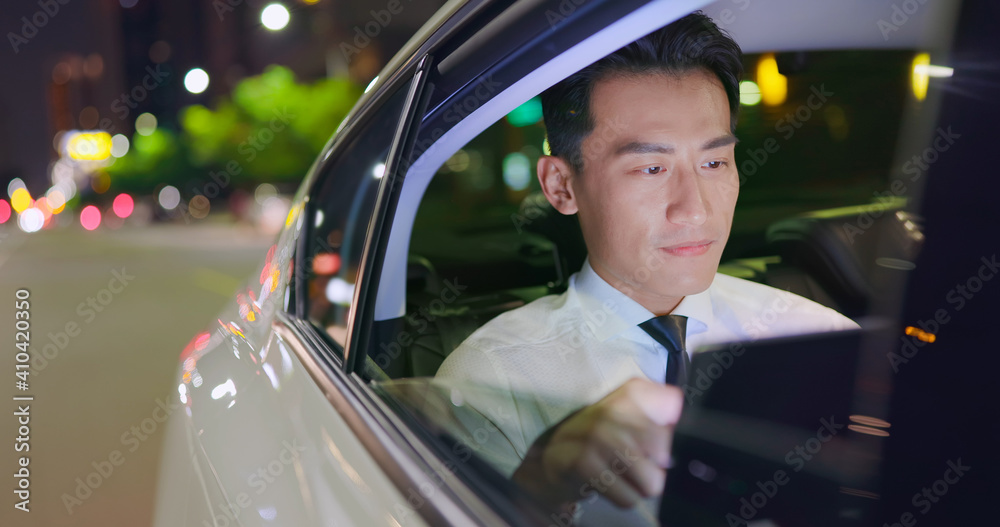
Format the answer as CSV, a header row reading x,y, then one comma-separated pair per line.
x,y
22,337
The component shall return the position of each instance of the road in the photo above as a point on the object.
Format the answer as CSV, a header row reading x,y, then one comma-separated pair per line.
x,y
112,310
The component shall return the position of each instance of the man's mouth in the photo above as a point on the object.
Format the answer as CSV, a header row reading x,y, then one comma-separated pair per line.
x,y
692,248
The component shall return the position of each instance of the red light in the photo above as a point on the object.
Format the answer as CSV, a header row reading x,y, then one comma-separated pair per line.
x,y
201,341
123,205
326,263
4,211
90,217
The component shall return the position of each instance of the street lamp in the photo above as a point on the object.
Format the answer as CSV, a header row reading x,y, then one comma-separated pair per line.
x,y
196,80
275,17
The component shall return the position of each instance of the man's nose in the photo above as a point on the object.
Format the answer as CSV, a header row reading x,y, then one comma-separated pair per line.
x,y
686,203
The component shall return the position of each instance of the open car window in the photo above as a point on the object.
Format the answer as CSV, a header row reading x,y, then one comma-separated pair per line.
x,y
482,240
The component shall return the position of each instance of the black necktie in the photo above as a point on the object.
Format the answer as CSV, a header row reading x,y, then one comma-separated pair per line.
x,y
669,331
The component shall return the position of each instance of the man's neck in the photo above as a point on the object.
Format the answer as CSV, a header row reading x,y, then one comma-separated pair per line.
x,y
657,304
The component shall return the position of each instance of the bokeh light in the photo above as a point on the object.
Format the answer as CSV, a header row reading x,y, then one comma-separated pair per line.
x,y
169,197
264,191
326,264
90,217
199,206
123,205
56,199
21,200
773,85
100,182
4,211
15,184
516,171
196,80
119,145
89,146
31,220
275,17
749,93
145,124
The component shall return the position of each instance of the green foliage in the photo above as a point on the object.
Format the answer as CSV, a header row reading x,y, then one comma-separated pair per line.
x,y
151,160
272,126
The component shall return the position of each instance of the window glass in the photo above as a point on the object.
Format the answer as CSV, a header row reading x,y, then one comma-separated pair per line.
x,y
342,208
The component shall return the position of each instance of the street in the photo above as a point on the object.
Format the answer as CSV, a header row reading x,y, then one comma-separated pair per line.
x,y
110,312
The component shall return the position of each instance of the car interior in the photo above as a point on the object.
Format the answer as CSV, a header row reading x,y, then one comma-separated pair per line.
x,y
485,240
471,236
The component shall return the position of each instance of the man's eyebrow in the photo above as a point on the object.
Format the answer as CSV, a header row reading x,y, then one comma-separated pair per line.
x,y
638,147
723,140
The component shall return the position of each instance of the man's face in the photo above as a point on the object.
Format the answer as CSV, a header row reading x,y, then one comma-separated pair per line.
x,y
659,184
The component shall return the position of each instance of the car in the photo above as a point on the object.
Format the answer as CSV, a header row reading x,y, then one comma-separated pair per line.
x,y
311,399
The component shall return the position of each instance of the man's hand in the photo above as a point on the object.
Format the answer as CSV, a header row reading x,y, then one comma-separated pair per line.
x,y
623,439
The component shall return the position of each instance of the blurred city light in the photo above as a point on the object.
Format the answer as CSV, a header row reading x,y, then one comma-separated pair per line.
x,y
56,199
169,197
88,146
31,220
42,204
90,217
275,17
527,114
326,263
749,93
100,182
20,200
4,211
932,70
264,191
14,184
199,206
145,124
516,171
339,292
773,85
119,145
123,205
922,72
196,80
65,186
919,81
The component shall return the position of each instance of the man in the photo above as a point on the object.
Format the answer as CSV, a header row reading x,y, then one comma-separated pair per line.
x,y
643,152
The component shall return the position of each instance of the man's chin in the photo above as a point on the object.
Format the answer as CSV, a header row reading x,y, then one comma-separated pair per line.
x,y
684,286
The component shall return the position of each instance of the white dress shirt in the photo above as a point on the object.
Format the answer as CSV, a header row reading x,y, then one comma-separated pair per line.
x,y
530,367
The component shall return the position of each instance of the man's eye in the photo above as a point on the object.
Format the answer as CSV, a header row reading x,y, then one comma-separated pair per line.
x,y
715,164
652,170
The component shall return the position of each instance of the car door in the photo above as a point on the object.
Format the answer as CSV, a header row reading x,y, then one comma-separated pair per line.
x,y
269,433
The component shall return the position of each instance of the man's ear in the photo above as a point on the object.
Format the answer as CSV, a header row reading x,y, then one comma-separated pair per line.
x,y
555,176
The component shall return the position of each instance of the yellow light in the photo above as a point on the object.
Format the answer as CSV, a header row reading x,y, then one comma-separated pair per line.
x,y
21,200
94,146
749,93
920,334
919,77
773,85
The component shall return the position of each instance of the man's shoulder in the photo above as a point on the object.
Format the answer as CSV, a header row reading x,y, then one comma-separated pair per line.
x,y
512,337
770,305
530,323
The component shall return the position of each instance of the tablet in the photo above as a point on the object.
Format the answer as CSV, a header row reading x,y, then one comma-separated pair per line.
x,y
769,434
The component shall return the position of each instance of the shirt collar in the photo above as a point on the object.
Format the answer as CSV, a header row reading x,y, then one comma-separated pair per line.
x,y
609,312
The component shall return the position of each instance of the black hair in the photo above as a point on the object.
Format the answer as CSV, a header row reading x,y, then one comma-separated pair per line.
x,y
691,43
